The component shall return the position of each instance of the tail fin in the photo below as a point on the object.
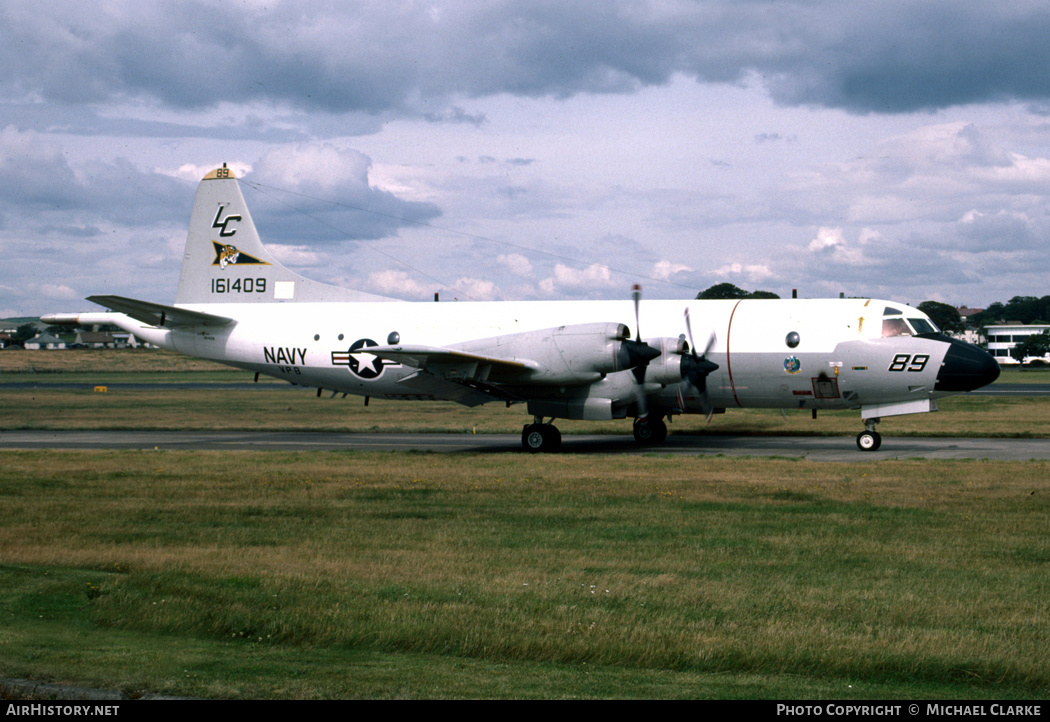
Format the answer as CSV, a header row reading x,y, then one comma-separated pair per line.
x,y
226,262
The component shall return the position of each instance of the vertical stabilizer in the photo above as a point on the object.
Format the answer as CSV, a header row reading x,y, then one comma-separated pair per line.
x,y
226,262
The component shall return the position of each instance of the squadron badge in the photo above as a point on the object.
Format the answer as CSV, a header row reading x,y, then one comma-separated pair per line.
x,y
227,255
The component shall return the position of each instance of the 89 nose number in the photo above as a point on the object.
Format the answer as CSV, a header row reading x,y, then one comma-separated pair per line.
x,y
907,362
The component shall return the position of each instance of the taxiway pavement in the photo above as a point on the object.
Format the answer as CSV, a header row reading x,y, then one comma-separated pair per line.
x,y
815,448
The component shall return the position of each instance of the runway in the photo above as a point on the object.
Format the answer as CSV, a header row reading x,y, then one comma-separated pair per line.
x,y
813,448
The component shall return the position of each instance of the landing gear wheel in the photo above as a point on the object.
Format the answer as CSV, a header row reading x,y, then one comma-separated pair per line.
x,y
869,440
650,431
540,437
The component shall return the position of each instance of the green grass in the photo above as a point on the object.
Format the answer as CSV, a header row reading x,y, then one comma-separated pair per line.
x,y
1030,375
320,575
289,408
419,575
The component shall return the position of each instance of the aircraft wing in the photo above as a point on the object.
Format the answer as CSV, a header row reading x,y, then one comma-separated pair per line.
x,y
453,375
565,356
156,314
451,363
466,392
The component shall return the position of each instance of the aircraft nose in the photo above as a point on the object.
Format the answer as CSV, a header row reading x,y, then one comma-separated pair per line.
x,y
966,367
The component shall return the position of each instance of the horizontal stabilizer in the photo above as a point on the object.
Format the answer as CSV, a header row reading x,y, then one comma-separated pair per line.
x,y
156,314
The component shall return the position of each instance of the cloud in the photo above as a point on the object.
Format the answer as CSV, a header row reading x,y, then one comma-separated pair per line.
x,y
516,263
622,132
397,284
1004,229
873,61
590,281
664,270
424,58
39,188
57,291
753,273
294,256
321,192
475,289
830,245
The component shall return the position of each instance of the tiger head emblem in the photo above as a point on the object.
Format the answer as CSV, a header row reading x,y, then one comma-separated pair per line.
x,y
228,255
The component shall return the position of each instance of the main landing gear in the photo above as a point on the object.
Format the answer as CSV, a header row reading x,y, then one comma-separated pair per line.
x,y
869,439
544,437
538,436
650,430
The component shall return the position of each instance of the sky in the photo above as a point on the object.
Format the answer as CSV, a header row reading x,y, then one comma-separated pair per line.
x,y
533,149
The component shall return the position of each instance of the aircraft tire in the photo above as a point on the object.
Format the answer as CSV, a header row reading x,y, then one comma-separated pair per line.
x,y
650,431
869,440
536,438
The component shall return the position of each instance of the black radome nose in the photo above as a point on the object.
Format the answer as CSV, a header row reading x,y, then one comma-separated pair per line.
x,y
966,367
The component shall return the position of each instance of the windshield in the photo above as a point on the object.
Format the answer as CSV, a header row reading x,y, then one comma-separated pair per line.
x,y
921,325
900,327
895,327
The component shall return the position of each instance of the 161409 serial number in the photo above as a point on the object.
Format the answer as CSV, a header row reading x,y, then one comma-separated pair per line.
x,y
238,285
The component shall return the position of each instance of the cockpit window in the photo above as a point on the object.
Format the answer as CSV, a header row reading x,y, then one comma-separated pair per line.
x,y
921,325
895,327
900,327
890,311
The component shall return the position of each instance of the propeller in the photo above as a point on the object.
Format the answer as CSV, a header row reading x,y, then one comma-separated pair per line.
x,y
644,354
695,368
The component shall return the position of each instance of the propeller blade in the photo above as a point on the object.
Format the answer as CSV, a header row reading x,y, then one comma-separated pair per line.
x,y
710,342
636,294
639,397
695,368
643,352
689,330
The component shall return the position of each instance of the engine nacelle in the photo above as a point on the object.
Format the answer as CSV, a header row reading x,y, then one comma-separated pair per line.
x,y
569,355
667,368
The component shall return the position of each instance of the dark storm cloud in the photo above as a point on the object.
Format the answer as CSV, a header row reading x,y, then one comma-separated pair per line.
x,y
915,56
418,58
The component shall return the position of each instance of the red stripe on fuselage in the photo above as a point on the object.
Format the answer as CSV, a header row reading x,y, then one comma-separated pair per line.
x,y
729,357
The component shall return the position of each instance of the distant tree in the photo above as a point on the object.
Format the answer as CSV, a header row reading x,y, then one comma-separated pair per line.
x,y
723,290
728,290
991,315
1038,344
23,333
946,317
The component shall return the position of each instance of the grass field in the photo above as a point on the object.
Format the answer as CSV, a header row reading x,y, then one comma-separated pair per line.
x,y
276,404
338,574
423,575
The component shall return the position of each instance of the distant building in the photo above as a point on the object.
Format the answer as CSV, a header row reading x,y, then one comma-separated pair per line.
x,y
95,339
970,334
45,340
1003,337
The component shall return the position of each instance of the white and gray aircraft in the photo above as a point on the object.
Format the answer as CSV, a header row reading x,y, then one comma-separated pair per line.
x,y
237,305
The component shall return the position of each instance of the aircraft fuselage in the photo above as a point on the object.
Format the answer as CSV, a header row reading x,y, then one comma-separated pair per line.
x,y
808,354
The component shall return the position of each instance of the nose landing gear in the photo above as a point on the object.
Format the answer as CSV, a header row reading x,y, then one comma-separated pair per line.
x,y
869,439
